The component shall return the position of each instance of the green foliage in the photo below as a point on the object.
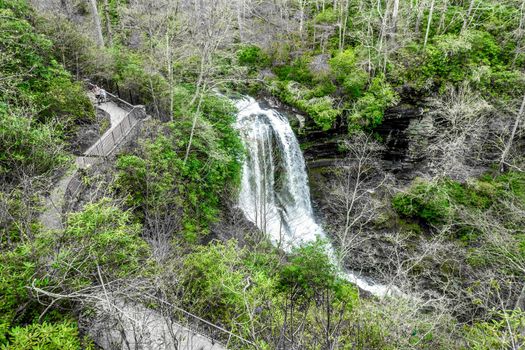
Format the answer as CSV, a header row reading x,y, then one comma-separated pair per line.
x,y
368,111
352,79
438,202
309,270
505,331
33,77
158,177
432,202
320,109
16,269
221,282
27,146
49,336
472,55
297,71
253,56
99,239
326,16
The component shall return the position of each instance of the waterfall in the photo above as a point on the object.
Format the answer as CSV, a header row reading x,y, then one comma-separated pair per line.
x,y
274,191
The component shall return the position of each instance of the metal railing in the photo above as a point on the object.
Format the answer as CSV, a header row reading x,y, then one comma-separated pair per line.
x,y
112,138
211,331
114,98
104,147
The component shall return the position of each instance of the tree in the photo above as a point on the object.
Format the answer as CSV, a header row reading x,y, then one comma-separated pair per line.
x,y
508,145
355,194
96,22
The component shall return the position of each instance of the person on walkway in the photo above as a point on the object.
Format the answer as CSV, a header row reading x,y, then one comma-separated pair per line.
x,y
103,95
96,91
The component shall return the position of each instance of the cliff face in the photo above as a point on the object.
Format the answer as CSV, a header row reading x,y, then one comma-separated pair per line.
x,y
405,133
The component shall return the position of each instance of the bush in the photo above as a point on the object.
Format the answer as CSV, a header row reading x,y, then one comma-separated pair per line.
x,y
194,186
503,332
99,237
27,146
49,336
253,56
369,109
426,201
16,270
320,109
297,71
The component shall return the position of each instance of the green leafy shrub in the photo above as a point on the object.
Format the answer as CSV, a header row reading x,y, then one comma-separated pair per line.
x,y
425,200
253,56
502,332
297,71
369,109
34,78
320,109
157,176
99,238
437,202
27,146
16,269
326,16
49,336
221,283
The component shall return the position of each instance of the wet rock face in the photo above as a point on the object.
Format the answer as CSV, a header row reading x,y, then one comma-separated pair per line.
x,y
405,132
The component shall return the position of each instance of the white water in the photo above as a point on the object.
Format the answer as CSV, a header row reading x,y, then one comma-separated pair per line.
x,y
274,190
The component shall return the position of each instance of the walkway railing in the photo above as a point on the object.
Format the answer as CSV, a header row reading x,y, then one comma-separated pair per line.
x,y
109,142
198,325
114,98
104,147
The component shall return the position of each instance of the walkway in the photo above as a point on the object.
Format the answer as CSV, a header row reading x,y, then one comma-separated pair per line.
x,y
122,325
51,217
138,327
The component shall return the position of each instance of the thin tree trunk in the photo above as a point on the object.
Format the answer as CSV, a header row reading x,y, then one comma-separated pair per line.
x,y
108,23
170,72
395,12
441,26
195,116
512,136
520,33
418,18
96,23
240,8
429,23
467,16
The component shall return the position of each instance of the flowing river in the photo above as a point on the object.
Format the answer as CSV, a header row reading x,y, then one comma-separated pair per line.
x,y
274,191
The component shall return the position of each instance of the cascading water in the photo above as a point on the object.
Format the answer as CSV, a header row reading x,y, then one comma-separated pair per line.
x,y
274,190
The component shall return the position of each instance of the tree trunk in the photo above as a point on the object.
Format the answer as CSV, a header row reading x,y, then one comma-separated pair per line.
x,y
96,22
512,136
429,23
395,12
108,22
170,73
467,16
240,10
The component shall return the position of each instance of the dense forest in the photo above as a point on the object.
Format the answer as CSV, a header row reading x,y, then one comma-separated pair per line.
x,y
410,118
